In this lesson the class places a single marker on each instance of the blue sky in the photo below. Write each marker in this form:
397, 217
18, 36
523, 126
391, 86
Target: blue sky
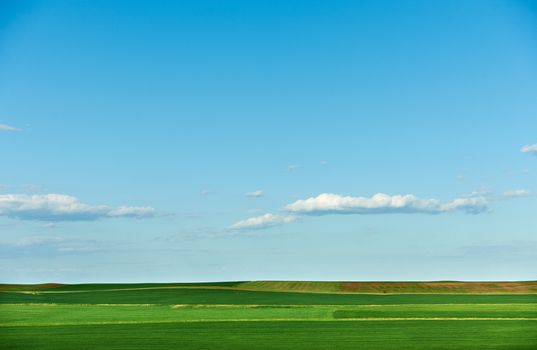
244, 140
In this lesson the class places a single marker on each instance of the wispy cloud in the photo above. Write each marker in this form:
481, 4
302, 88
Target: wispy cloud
27, 188
516, 193
531, 149
59, 207
43, 245
380, 203
193, 234
255, 194
262, 222
5, 127
500, 250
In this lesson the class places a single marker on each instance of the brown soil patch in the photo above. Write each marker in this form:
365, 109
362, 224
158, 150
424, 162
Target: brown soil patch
28, 287
440, 287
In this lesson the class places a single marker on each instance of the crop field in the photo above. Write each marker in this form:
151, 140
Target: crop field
269, 315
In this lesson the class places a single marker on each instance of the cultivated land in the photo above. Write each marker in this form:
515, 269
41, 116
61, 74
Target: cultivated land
270, 315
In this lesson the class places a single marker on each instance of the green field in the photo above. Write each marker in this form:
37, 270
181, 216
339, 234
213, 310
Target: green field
241, 315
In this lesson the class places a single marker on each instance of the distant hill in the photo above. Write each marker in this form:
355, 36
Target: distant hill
440, 287
396, 287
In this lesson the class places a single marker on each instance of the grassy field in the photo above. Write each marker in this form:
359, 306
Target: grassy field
264, 315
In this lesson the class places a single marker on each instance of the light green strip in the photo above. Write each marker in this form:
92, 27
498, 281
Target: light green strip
269, 320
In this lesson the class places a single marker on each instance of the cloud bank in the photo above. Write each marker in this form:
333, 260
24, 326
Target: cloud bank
380, 203
530, 149
59, 207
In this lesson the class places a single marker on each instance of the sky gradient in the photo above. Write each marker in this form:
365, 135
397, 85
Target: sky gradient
148, 141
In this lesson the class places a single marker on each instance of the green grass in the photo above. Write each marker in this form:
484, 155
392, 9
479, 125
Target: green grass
440, 311
108, 286
379, 335
43, 315
169, 296
225, 316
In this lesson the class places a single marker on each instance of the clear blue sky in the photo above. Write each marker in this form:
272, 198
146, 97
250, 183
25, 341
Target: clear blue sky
241, 140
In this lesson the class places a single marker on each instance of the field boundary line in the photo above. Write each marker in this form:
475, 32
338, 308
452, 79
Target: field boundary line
37, 292
276, 306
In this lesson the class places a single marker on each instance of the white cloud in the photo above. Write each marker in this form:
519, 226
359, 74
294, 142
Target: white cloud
262, 222
255, 194
381, 203
531, 149
5, 127
516, 193
58, 207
